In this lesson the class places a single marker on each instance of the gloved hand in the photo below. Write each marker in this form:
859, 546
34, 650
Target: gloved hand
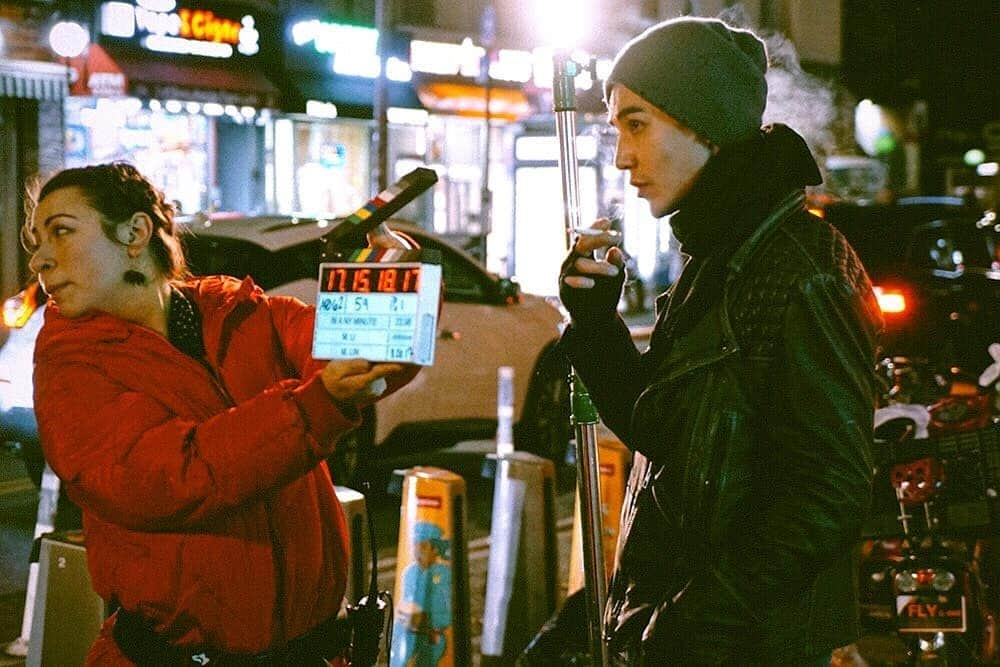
590, 288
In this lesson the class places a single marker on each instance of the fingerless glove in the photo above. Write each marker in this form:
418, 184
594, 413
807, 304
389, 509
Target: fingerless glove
593, 305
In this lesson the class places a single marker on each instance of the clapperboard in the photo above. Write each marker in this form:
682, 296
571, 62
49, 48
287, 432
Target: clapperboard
379, 305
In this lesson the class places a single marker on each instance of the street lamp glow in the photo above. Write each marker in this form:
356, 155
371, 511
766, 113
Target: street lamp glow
68, 39
988, 169
870, 127
974, 156
565, 22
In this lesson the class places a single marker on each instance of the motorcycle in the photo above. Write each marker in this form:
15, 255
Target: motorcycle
930, 567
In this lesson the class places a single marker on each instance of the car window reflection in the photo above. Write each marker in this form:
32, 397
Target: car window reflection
949, 245
464, 281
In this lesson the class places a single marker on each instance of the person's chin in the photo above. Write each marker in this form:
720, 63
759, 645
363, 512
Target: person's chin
68, 310
659, 209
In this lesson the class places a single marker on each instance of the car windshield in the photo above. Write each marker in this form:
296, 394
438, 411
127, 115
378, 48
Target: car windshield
889, 239
952, 245
207, 255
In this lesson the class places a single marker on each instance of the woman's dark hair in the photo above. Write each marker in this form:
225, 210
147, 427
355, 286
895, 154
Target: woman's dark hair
116, 190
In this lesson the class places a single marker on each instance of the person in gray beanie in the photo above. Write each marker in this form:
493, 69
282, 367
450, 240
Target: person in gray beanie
750, 413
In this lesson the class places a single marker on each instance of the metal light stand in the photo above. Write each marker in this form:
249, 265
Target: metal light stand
380, 104
584, 416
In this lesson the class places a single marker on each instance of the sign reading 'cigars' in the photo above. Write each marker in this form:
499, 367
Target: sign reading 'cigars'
160, 25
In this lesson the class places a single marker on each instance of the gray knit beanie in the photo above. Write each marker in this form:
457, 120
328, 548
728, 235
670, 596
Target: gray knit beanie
701, 72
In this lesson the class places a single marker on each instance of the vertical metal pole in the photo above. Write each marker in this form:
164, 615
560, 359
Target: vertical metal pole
487, 35
383, 11
564, 105
584, 415
485, 194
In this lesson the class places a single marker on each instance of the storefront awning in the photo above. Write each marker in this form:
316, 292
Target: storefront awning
96, 74
32, 79
354, 96
464, 98
155, 77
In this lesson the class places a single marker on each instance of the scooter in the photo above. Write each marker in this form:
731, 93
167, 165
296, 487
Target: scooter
929, 571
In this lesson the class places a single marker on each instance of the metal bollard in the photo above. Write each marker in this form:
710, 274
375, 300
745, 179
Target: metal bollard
522, 573
359, 567
505, 409
615, 463
431, 619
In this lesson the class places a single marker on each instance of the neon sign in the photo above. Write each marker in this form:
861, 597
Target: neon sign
203, 24
163, 27
354, 49
357, 45
334, 37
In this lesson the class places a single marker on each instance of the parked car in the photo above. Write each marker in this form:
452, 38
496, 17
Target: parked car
935, 262
22, 319
855, 178
485, 323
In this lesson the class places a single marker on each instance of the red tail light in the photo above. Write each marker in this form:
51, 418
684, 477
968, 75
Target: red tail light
891, 301
17, 310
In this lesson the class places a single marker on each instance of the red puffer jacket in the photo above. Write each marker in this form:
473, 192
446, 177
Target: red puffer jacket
205, 504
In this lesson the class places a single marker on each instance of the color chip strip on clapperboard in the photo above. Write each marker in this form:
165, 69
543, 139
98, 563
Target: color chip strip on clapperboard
376, 202
384, 255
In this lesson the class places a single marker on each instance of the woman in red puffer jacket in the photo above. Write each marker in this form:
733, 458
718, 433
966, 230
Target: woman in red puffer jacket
189, 421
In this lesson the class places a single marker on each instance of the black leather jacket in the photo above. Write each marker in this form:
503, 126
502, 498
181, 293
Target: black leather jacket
753, 455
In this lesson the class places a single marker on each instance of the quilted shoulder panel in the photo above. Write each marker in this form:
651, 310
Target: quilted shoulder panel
801, 247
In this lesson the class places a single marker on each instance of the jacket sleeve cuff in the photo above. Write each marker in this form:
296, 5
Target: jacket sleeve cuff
325, 419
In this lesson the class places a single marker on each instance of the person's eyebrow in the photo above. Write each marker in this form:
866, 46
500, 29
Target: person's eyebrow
48, 220
627, 111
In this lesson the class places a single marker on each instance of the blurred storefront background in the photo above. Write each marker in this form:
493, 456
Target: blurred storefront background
267, 106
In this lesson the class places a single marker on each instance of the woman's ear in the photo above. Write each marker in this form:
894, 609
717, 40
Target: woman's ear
135, 232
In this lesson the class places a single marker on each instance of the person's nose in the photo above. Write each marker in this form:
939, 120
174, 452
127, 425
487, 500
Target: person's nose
624, 155
41, 260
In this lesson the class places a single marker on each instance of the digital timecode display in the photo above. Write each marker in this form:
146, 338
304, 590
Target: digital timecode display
379, 311
366, 279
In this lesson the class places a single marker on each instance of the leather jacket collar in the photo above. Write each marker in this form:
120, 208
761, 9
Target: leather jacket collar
738, 187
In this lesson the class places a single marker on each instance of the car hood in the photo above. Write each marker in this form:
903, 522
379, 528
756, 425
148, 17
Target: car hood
304, 290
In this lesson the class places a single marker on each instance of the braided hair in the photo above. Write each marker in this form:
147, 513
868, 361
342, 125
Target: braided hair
117, 190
